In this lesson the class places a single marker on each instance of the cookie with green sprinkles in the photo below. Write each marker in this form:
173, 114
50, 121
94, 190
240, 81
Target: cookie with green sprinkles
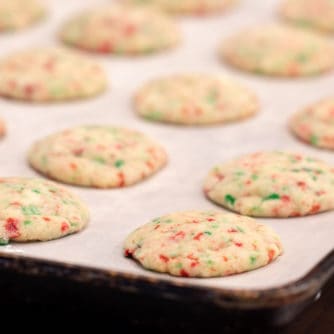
18, 14
195, 99
34, 209
50, 74
97, 156
203, 244
315, 124
278, 50
272, 184
120, 29
318, 14
193, 7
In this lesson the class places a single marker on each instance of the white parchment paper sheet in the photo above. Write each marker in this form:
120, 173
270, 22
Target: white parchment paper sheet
192, 151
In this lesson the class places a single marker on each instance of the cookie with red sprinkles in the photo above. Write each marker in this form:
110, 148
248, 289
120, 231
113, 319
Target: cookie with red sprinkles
193, 7
279, 50
195, 99
272, 184
18, 14
97, 156
315, 124
50, 74
33, 209
121, 30
203, 244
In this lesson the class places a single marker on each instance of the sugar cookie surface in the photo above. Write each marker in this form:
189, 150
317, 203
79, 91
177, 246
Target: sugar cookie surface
199, 7
279, 50
272, 184
121, 30
97, 156
203, 244
317, 14
195, 99
17, 14
315, 124
38, 210
51, 74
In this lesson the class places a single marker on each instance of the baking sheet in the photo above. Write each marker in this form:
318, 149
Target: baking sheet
192, 150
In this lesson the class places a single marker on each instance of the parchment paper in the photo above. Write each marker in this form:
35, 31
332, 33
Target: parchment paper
192, 151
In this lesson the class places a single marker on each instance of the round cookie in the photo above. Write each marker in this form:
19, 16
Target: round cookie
203, 244
317, 14
121, 30
97, 156
2, 128
195, 99
279, 50
197, 7
315, 125
272, 184
33, 209
17, 14
51, 74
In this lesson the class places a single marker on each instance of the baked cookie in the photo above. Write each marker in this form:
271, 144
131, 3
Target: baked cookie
121, 30
38, 210
279, 50
97, 156
197, 7
195, 99
203, 244
315, 125
272, 184
317, 14
46, 75
17, 14
2, 128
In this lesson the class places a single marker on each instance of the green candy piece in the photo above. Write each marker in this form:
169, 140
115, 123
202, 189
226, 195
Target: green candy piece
99, 160
273, 196
119, 163
230, 199
27, 222
240, 229
4, 242
314, 140
30, 210
252, 259
207, 232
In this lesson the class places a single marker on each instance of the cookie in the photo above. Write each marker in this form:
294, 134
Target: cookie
97, 156
278, 50
121, 30
2, 128
46, 75
195, 99
17, 14
203, 244
197, 7
272, 184
318, 14
315, 125
38, 210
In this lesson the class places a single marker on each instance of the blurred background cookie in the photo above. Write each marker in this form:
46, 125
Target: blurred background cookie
121, 30
317, 14
50, 74
198, 7
278, 50
17, 14
195, 99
